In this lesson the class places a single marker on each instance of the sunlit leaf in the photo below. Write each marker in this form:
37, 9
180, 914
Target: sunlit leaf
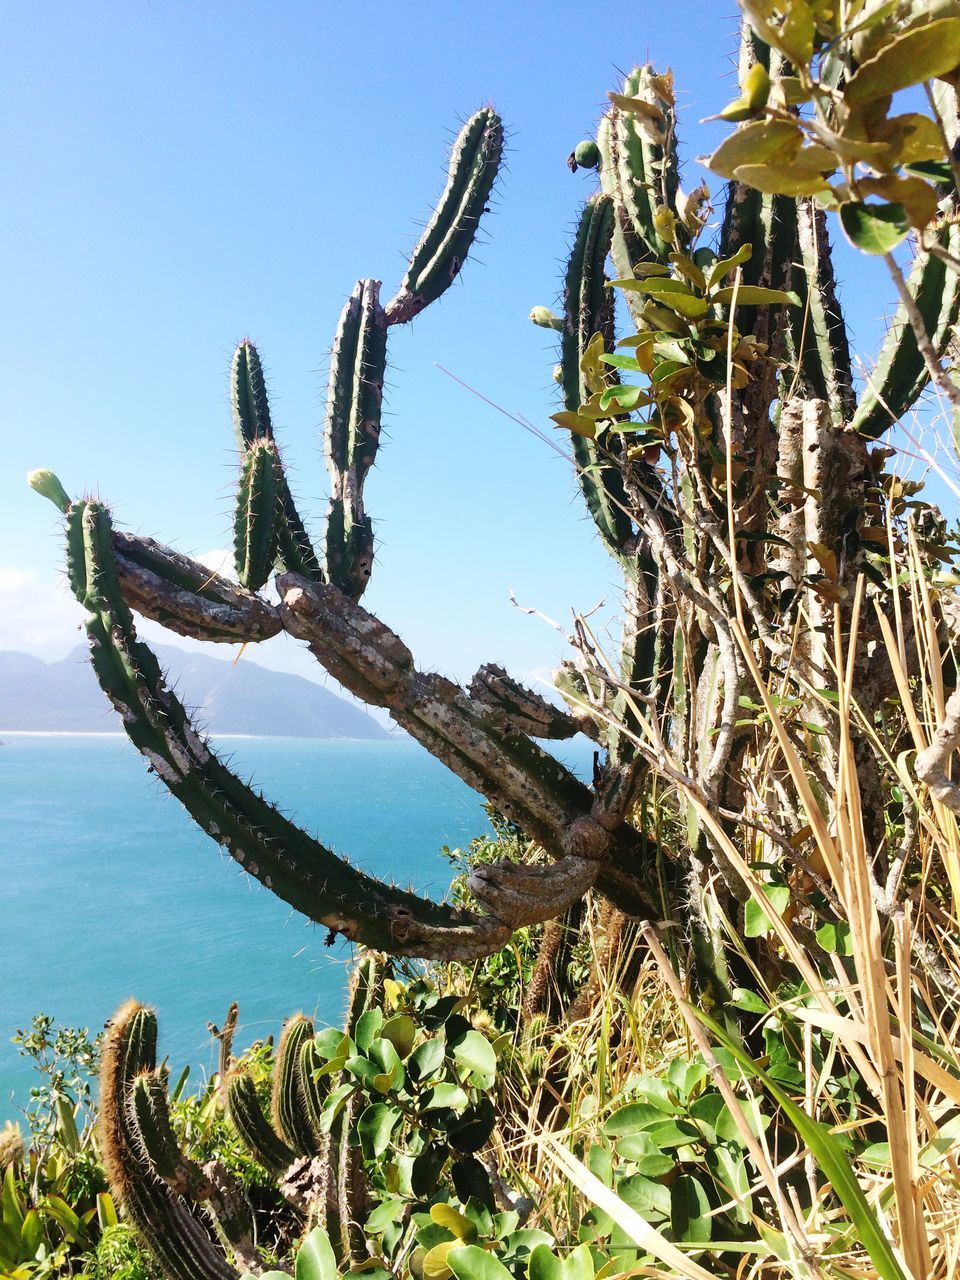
917, 55
874, 228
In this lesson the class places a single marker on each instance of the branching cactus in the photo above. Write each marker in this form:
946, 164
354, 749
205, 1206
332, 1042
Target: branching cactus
196, 1219
728, 468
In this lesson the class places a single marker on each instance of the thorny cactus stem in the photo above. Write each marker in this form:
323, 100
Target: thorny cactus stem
161, 1189
733, 482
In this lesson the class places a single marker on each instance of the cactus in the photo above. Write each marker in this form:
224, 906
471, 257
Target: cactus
161, 1188
726, 467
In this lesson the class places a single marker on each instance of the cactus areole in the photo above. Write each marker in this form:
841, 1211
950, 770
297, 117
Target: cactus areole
708, 483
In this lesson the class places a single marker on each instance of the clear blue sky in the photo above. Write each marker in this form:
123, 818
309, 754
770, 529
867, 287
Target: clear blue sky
180, 175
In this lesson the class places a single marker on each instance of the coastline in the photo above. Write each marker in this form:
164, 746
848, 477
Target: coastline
253, 737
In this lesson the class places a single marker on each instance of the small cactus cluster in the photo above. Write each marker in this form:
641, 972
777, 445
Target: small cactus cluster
728, 466
194, 1218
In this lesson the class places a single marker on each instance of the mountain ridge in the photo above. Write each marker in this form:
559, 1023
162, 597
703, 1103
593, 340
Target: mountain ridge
226, 698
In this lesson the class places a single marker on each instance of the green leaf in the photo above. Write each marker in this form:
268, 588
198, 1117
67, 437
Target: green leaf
729, 1167
874, 228
446, 1216
445, 1097
630, 363
401, 1031
673, 1133
834, 935
427, 1059
474, 1053
645, 1195
689, 1211
627, 398
368, 1028
917, 55
632, 1118
744, 998
386, 1213
832, 1158
474, 1127
375, 1128
315, 1260
469, 1262
725, 265
754, 295
331, 1043
756, 920
645, 1154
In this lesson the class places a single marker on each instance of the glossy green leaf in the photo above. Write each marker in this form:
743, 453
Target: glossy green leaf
368, 1028
689, 1211
375, 1128
835, 936
874, 228
426, 1059
632, 1118
756, 919
724, 266
315, 1258
401, 1031
752, 295
444, 1097
832, 1158
469, 1262
474, 1053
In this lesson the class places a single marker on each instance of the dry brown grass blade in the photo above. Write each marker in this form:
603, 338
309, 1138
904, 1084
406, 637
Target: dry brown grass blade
637, 1227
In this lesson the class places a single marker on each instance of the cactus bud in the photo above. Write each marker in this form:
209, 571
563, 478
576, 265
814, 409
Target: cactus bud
47, 484
545, 318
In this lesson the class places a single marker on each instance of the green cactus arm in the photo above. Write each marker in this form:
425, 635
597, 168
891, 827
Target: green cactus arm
148, 1115
900, 374
257, 520
186, 597
297, 868
448, 237
638, 170
250, 408
249, 404
183, 1248
352, 434
588, 310
288, 1108
256, 1131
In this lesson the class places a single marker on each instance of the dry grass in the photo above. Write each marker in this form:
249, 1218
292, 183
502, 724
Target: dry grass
897, 1215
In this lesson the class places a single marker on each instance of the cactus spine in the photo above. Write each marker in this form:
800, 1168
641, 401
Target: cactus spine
352, 434
183, 1248
257, 522
440, 253
156, 1181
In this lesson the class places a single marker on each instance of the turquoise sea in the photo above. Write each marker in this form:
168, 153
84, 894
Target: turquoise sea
107, 890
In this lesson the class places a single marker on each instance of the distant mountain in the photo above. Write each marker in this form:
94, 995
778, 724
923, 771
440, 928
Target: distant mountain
65, 697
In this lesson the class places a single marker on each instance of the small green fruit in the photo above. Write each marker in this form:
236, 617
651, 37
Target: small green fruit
587, 154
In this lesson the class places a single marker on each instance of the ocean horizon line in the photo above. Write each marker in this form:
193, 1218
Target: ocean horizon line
391, 735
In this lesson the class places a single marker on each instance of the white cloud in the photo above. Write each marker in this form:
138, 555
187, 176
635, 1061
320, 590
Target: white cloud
37, 615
